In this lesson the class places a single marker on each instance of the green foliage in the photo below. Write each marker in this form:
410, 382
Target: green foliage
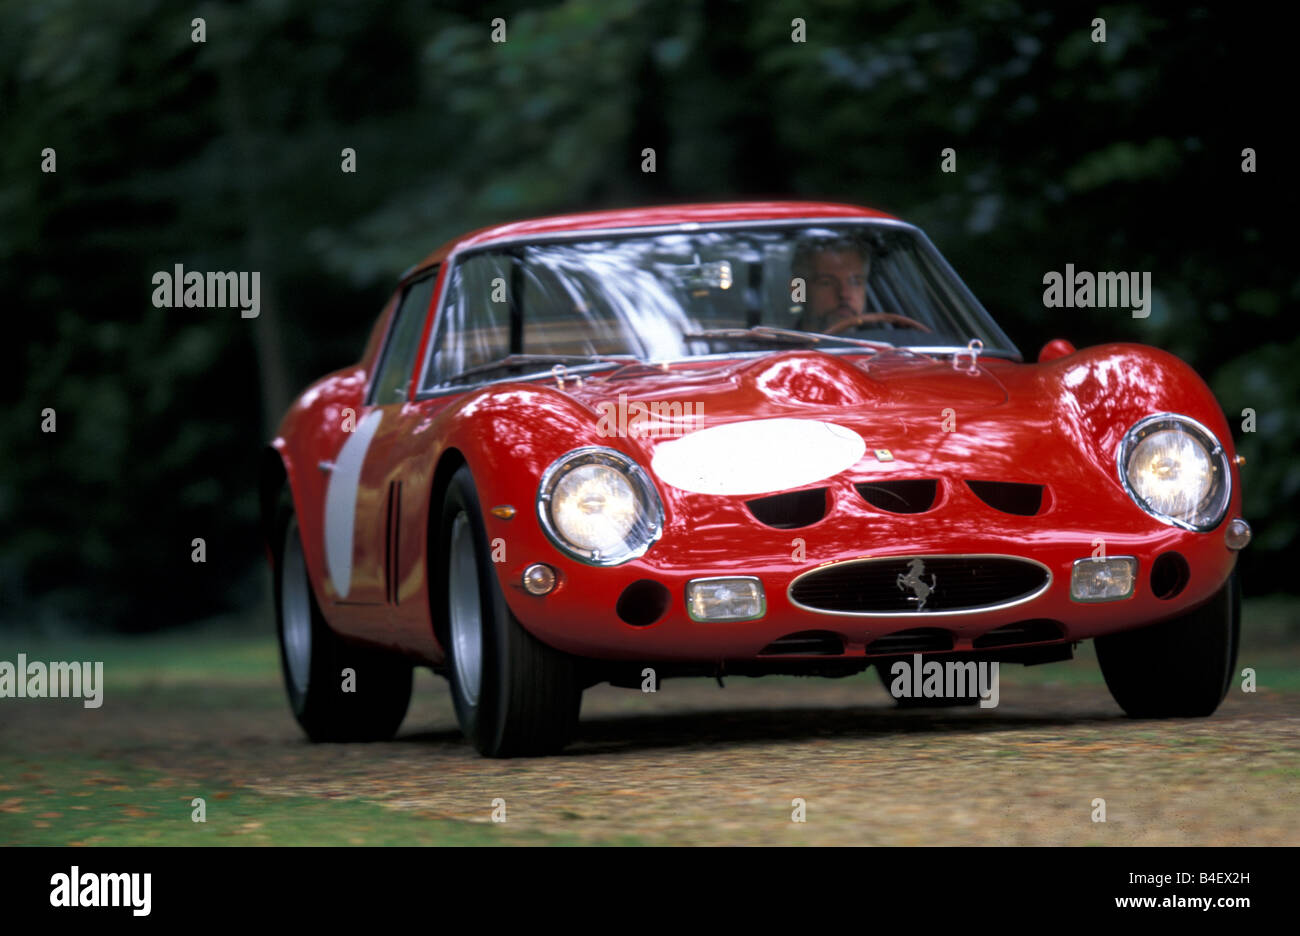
226, 156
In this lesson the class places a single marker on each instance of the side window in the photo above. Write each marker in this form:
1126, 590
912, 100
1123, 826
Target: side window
403, 341
474, 325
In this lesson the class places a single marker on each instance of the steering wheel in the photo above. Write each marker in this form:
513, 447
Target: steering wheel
874, 318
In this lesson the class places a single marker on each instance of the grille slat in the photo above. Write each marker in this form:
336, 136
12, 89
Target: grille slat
897, 585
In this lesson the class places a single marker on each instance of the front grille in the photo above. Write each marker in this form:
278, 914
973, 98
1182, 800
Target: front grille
919, 584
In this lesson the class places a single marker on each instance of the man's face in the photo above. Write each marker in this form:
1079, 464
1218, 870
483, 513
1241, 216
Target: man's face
837, 287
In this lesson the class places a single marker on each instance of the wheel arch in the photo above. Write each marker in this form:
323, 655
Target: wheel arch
449, 462
272, 477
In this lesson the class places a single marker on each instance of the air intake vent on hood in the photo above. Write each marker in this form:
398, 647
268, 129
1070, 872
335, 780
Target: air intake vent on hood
899, 496
790, 510
1024, 500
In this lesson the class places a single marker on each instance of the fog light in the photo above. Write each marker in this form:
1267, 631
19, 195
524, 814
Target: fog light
725, 599
539, 579
1238, 534
1103, 579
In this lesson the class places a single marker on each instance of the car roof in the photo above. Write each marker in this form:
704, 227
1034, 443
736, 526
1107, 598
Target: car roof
662, 215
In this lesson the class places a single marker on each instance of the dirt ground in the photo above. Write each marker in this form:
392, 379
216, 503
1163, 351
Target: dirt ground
698, 764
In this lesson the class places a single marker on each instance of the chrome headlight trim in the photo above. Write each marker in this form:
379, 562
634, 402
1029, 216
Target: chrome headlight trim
648, 527
1214, 452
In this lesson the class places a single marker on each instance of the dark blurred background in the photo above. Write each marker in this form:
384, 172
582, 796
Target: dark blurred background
225, 155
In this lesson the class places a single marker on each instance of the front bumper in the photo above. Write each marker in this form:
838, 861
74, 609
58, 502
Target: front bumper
586, 614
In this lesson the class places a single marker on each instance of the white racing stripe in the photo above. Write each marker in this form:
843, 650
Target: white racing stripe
341, 502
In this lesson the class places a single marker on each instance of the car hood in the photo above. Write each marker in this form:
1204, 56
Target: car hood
801, 383
787, 419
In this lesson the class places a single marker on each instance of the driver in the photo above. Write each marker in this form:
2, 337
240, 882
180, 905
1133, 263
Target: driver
835, 273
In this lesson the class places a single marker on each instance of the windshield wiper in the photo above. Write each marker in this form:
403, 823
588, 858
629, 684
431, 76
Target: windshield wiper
517, 361
787, 335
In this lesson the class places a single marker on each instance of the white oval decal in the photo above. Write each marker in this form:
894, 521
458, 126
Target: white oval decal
759, 456
341, 501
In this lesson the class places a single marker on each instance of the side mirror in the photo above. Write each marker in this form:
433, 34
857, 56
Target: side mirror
1056, 348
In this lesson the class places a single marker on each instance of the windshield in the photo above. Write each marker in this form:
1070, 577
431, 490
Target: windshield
658, 297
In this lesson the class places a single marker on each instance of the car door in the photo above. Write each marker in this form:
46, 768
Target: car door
364, 503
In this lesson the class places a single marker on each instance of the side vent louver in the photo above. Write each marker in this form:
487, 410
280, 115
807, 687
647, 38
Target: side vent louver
392, 536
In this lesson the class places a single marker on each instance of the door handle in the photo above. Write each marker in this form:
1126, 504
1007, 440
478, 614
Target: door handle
325, 466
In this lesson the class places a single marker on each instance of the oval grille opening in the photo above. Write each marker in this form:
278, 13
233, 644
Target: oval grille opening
790, 510
919, 584
899, 496
1023, 500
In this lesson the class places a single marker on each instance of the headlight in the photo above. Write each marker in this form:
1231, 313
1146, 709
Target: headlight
1176, 470
599, 506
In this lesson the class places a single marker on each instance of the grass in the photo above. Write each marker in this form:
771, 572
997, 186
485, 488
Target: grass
208, 655
103, 797
89, 801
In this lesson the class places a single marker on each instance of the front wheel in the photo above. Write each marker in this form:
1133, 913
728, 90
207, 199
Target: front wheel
514, 695
1180, 668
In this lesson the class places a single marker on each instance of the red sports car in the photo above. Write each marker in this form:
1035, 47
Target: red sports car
733, 439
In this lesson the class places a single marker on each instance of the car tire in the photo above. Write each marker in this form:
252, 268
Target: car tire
514, 696
1180, 668
882, 670
366, 705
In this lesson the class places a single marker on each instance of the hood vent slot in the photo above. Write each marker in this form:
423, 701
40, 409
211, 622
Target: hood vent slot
1023, 500
904, 497
791, 510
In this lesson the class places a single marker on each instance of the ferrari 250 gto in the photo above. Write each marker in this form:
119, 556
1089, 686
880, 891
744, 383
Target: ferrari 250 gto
733, 439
